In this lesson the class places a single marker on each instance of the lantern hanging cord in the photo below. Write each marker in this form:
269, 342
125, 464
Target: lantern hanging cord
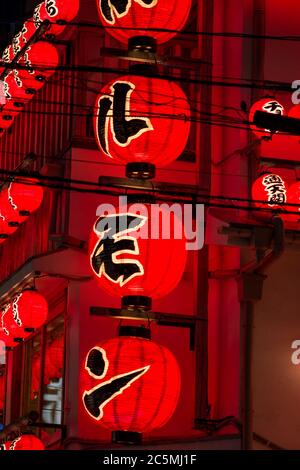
184, 32
68, 184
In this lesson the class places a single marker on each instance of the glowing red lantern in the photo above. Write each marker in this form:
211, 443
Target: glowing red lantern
142, 120
267, 105
126, 19
19, 199
30, 309
269, 191
27, 442
129, 263
15, 93
56, 11
40, 59
130, 384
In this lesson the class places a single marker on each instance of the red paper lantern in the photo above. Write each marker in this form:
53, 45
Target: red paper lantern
56, 11
16, 95
140, 119
19, 200
130, 384
30, 309
27, 442
127, 262
40, 59
145, 17
267, 105
271, 190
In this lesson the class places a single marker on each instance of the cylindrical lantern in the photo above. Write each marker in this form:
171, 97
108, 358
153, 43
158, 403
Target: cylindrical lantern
267, 105
127, 19
56, 11
130, 385
40, 59
269, 191
30, 309
27, 442
138, 253
142, 121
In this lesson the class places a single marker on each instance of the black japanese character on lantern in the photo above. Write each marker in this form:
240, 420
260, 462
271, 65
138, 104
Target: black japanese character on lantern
273, 107
275, 187
118, 8
97, 365
51, 7
114, 115
113, 243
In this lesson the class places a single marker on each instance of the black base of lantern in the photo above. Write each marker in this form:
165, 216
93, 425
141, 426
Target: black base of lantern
3, 235
140, 170
133, 302
136, 331
24, 213
19, 340
13, 224
126, 437
142, 43
29, 330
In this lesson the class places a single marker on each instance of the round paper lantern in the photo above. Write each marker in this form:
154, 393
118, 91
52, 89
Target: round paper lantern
56, 11
27, 442
142, 120
140, 252
267, 105
130, 385
30, 309
19, 199
40, 59
271, 190
145, 17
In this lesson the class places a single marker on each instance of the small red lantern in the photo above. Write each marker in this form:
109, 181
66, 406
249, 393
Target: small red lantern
127, 19
56, 11
15, 93
30, 309
19, 199
130, 384
40, 59
272, 189
129, 263
267, 105
142, 120
27, 442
